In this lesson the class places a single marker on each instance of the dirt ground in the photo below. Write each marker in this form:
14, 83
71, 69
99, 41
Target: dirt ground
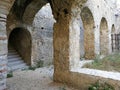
40, 79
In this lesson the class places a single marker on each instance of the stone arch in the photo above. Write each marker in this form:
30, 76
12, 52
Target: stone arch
20, 40
113, 29
43, 36
104, 37
28, 16
88, 24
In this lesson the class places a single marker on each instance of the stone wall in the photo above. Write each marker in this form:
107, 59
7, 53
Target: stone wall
42, 35
88, 24
104, 11
5, 6
66, 41
41, 32
104, 39
82, 81
3, 52
66, 35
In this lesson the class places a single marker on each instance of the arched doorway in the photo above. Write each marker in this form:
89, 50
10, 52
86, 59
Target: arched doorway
88, 24
104, 39
19, 44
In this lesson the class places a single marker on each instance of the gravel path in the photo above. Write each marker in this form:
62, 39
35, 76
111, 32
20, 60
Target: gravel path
40, 79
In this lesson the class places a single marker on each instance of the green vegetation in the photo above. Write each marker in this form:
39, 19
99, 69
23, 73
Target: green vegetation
38, 65
100, 86
109, 63
62, 88
10, 74
32, 68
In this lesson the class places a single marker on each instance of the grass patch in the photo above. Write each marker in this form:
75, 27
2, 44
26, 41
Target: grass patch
109, 63
99, 85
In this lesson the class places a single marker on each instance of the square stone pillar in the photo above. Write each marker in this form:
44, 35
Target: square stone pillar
3, 52
66, 47
61, 48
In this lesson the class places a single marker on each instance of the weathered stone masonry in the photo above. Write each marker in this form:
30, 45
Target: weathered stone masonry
66, 36
4, 10
41, 31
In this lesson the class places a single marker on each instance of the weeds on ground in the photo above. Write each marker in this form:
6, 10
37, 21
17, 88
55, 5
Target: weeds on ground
38, 65
109, 63
99, 85
32, 68
62, 88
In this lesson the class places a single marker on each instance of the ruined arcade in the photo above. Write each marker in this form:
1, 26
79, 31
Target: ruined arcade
62, 33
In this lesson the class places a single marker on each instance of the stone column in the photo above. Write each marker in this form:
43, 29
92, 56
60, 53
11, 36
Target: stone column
74, 39
61, 48
3, 52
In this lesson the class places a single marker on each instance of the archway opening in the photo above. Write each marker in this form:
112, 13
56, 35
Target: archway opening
114, 39
104, 39
113, 29
43, 36
88, 26
19, 43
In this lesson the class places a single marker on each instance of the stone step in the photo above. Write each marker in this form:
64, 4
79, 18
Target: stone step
13, 56
15, 59
17, 67
15, 62
13, 53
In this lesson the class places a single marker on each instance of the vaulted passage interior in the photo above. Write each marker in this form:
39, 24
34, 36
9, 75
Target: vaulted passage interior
88, 24
20, 40
104, 39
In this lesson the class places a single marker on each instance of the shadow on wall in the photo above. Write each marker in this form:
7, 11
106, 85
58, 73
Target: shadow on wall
20, 39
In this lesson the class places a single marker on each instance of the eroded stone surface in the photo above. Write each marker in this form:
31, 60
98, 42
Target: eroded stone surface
42, 35
66, 33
